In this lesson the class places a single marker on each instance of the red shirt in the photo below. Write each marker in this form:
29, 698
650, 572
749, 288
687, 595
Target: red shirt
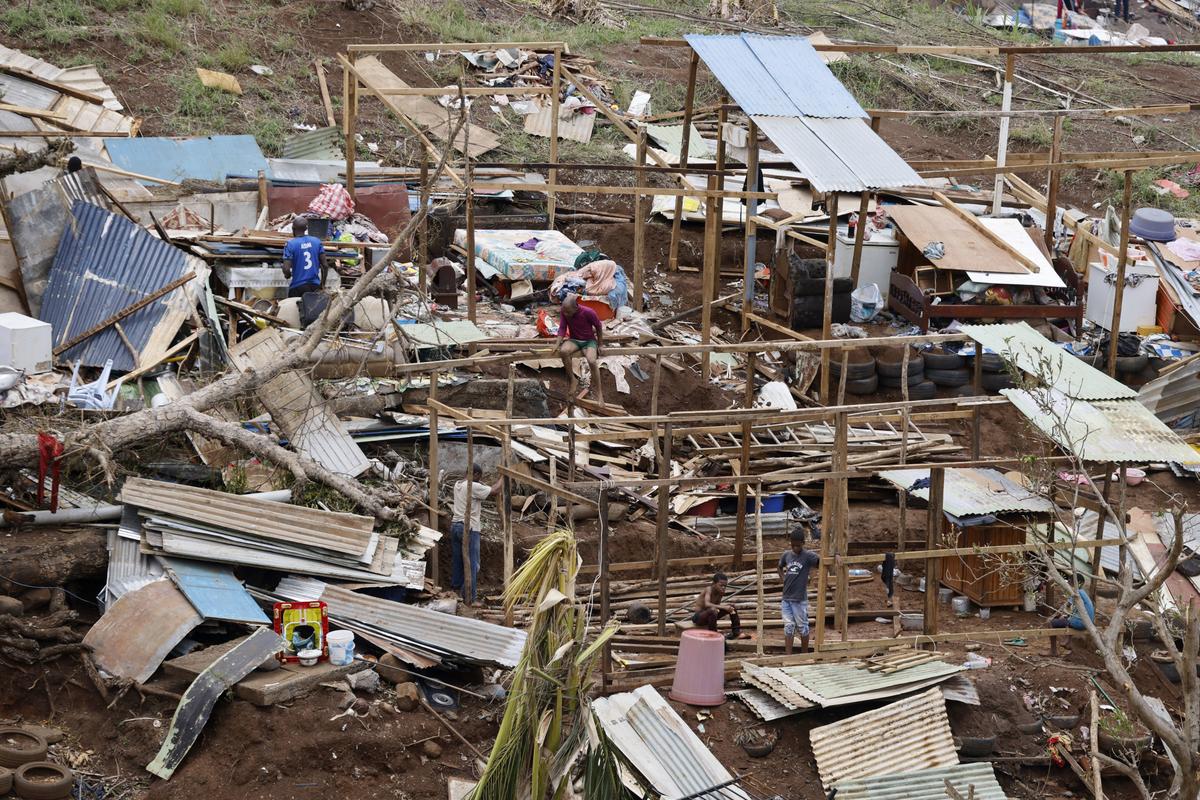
584, 324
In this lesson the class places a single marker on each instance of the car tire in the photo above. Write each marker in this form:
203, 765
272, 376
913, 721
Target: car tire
889, 382
939, 359
18, 746
925, 390
949, 377
43, 780
6, 781
963, 391
995, 381
1094, 360
1131, 365
855, 370
893, 369
863, 385
992, 363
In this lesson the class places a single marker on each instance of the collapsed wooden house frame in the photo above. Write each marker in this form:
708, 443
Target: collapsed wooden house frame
661, 429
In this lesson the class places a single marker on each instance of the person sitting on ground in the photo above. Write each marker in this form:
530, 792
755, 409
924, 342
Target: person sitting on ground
709, 608
794, 568
479, 492
580, 330
1074, 620
304, 260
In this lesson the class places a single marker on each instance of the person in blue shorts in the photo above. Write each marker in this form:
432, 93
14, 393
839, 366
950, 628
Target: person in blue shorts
795, 565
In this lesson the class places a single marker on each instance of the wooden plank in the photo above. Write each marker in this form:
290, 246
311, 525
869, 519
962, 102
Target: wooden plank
326, 101
986, 232
966, 248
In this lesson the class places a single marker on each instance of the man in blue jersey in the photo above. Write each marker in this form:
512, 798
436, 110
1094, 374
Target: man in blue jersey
1074, 621
303, 260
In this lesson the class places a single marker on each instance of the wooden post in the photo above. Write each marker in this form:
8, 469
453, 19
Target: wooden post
468, 586
739, 536
606, 653
506, 492
750, 252
719, 202
349, 113
1052, 184
469, 194
976, 417
664, 509
712, 268
758, 560
1108, 468
860, 233
639, 226
1002, 145
1094, 745
831, 204
654, 386
1114, 330
937, 482
423, 233
555, 91
434, 479
840, 537
262, 191
688, 109
571, 455
552, 515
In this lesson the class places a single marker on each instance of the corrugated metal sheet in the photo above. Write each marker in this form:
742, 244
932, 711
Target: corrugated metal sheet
973, 491
84, 78
764, 706
803, 76
1120, 431
1033, 353
215, 592
775, 75
839, 684
105, 263
344, 535
1176, 395
128, 567
838, 154
441, 635
661, 747
39, 218
135, 635
20, 92
906, 736
926, 784
319, 144
202, 158
298, 408
314, 170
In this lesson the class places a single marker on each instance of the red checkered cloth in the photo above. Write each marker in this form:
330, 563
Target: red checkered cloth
332, 201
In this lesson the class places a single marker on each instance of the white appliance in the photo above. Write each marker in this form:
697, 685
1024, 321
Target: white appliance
1141, 295
878, 258
25, 343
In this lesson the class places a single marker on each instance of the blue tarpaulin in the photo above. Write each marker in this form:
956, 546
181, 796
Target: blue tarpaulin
201, 158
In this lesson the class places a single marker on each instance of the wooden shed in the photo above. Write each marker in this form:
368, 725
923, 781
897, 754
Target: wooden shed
983, 508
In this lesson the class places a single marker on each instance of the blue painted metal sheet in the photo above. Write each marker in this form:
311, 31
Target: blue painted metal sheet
812, 157
104, 264
793, 64
214, 591
203, 158
842, 155
779, 76
743, 75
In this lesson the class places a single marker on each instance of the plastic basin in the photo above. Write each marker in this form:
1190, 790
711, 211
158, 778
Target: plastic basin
1153, 224
700, 670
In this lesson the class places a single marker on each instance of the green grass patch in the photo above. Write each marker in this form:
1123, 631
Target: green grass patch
205, 108
1035, 134
1145, 192
155, 28
49, 22
270, 132
179, 8
285, 43
234, 56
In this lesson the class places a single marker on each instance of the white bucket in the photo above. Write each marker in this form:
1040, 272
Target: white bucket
341, 647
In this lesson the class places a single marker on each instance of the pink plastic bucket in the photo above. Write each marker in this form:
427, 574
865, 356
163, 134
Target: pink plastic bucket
700, 671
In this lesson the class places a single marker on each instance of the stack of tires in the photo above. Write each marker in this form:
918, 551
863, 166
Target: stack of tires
949, 371
861, 377
23, 768
889, 363
995, 376
808, 300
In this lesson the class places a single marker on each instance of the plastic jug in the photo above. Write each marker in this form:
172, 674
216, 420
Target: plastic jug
341, 647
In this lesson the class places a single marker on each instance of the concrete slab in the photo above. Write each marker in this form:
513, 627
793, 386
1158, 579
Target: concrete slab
261, 688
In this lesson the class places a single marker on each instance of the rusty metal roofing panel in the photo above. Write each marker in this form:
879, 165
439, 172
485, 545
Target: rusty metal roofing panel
104, 264
776, 75
445, 635
838, 154
839, 684
973, 491
1176, 395
39, 218
1035, 354
660, 746
142, 627
1121, 431
346, 535
926, 784
908, 735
